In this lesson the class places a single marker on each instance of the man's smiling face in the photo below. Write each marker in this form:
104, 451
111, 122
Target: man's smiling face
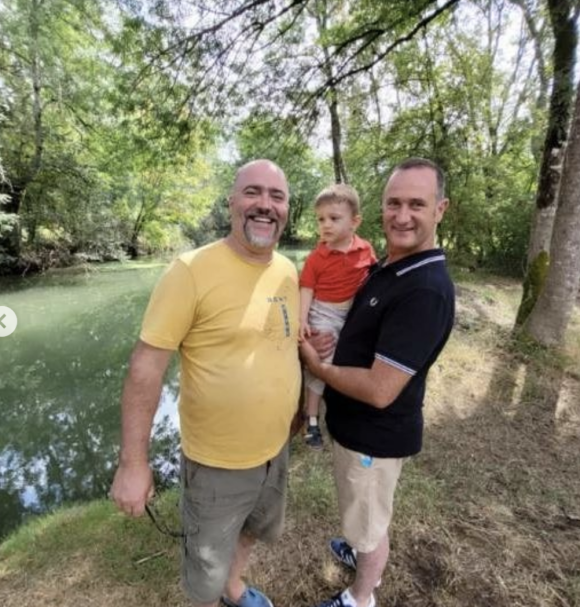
411, 211
258, 207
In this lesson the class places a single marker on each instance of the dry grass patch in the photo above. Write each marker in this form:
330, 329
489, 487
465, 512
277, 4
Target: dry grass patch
504, 437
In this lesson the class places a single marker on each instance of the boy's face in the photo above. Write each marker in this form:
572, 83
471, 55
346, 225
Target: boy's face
336, 224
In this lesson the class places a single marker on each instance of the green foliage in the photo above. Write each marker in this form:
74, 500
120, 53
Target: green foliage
117, 151
105, 166
214, 225
451, 105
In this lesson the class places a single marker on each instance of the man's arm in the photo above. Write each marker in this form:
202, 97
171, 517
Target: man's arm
378, 386
133, 482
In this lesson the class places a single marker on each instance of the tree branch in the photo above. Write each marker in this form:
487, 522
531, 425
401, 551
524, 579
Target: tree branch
376, 32
339, 77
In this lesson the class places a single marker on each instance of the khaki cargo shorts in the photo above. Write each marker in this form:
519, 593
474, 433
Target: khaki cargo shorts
366, 488
216, 506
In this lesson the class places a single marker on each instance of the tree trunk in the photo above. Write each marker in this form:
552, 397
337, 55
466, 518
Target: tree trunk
565, 31
541, 232
340, 175
550, 317
563, 21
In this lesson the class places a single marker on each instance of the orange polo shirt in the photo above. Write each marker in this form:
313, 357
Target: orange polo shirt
335, 276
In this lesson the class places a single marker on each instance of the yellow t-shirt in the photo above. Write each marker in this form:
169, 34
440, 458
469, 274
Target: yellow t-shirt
236, 326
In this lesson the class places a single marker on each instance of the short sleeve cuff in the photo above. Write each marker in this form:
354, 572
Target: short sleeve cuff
396, 364
158, 342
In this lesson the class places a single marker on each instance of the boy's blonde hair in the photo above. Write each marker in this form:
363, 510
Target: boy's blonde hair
339, 192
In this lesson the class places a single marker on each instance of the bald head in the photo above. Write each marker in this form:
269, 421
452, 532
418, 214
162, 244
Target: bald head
261, 166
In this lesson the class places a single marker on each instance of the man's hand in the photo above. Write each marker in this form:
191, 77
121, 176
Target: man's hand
132, 487
133, 483
323, 342
310, 357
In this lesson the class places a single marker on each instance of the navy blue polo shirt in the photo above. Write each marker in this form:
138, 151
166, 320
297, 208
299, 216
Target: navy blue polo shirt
402, 315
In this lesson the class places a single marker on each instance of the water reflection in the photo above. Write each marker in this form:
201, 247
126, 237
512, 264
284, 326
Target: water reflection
61, 374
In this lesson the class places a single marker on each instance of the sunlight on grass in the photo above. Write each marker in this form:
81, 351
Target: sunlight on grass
311, 487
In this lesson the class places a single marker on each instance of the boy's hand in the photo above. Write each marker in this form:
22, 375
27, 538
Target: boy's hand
304, 332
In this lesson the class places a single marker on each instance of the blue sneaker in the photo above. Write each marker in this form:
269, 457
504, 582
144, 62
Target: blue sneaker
250, 598
313, 437
343, 552
344, 599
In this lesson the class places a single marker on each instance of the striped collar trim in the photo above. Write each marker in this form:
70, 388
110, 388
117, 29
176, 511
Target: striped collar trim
419, 264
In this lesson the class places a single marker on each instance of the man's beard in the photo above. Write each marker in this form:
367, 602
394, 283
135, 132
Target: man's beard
261, 242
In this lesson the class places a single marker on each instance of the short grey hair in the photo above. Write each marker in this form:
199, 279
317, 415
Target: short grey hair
424, 163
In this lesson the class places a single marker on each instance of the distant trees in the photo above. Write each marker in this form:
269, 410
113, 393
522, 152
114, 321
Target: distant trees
93, 165
122, 122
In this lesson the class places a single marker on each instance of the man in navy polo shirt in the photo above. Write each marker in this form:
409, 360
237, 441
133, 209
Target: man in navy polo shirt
399, 322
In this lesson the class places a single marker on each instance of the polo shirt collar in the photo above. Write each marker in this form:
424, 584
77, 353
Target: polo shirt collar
357, 244
415, 261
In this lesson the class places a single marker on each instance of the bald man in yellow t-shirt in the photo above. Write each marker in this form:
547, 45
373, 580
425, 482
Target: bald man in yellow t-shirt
231, 310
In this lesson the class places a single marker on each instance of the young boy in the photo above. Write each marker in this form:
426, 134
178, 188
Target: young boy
331, 276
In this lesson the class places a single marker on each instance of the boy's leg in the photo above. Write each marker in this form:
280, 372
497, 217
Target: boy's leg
313, 435
312, 404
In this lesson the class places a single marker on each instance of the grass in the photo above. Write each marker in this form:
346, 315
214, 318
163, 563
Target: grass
487, 515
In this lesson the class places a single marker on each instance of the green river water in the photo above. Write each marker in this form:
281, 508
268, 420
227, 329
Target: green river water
61, 374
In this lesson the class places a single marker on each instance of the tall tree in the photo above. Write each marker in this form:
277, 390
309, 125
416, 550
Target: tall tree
563, 19
232, 47
323, 12
450, 97
549, 319
94, 163
153, 153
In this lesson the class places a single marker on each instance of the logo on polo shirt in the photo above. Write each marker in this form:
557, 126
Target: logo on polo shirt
374, 301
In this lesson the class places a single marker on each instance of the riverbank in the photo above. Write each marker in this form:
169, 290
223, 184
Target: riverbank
488, 514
